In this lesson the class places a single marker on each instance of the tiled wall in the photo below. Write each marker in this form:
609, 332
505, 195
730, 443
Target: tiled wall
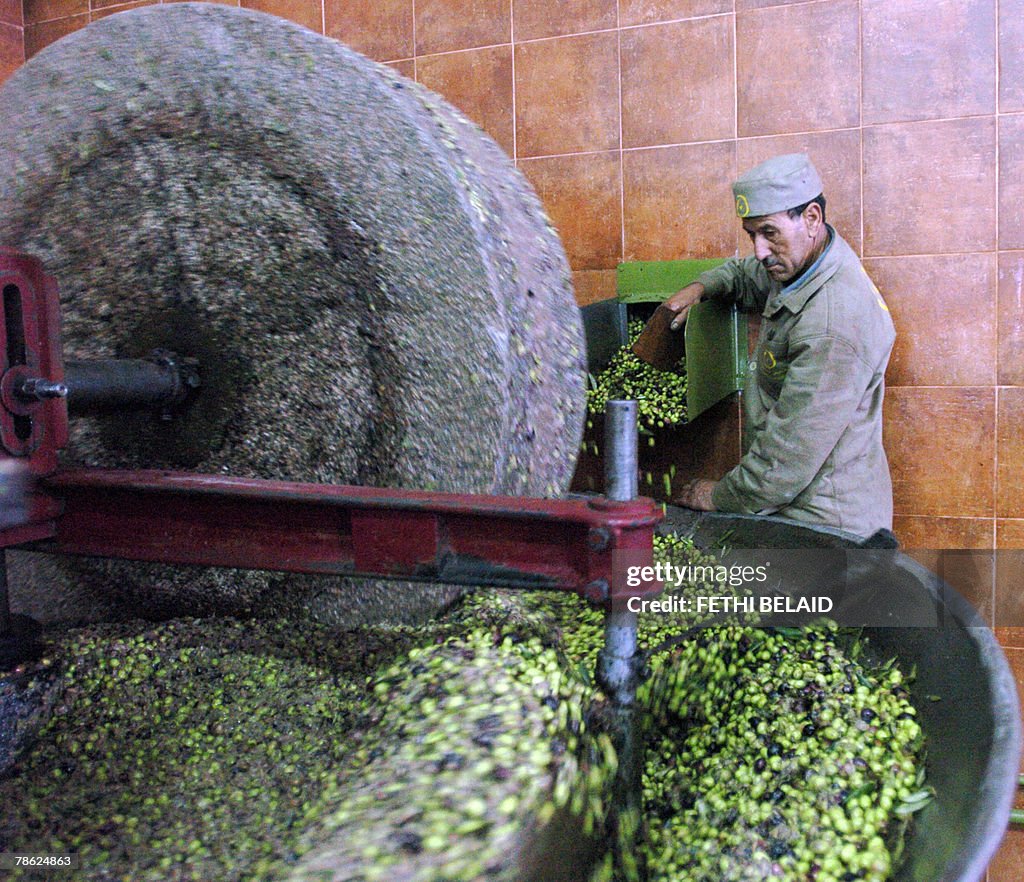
631, 117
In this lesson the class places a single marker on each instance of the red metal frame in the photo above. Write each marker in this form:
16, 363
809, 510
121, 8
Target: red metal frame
33, 433
177, 518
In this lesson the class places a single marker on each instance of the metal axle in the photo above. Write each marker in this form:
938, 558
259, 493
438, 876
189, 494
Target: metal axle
161, 381
618, 671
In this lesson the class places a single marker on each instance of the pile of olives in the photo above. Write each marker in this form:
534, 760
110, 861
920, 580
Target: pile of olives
222, 750
660, 395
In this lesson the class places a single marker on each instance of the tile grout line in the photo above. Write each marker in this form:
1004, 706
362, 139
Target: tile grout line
965, 388
622, 155
860, 128
995, 468
995, 507
995, 421
567, 155
901, 256
515, 115
735, 80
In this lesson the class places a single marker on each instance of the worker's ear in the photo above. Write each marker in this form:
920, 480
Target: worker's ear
812, 218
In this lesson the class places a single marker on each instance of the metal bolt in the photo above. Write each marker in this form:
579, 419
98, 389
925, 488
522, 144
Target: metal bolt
596, 591
39, 389
599, 538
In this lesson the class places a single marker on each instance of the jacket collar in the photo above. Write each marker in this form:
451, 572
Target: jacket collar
795, 298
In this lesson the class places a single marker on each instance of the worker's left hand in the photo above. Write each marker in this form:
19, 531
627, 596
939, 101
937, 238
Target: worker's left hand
697, 495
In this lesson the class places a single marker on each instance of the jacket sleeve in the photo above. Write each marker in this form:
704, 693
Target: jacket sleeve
738, 280
820, 394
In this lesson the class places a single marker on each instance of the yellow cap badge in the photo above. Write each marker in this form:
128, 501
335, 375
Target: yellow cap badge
742, 206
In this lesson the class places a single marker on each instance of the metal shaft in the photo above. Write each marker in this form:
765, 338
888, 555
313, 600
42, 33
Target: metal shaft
620, 445
119, 383
617, 672
621, 464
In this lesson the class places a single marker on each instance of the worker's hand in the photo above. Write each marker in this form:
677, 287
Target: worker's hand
697, 495
682, 300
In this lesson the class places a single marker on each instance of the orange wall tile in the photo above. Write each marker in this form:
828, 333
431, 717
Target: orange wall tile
381, 29
1009, 599
933, 349
1010, 636
1011, 55
1010, 533
1010, 452
667, 189
1011, 319
940, 444
447, 25
819, 63
535, 19
567, 98
36, 11
582, 196
479, 83
12, 12
1011, 181
935, 533
917, 176
308, 13
594, 285
12, 49
951, 73
39, 36
664, 105
958, 550
1008, 864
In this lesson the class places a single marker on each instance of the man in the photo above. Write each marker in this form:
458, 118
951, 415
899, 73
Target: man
813, 395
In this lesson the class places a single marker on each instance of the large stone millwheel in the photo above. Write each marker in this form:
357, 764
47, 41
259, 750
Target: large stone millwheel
373, 291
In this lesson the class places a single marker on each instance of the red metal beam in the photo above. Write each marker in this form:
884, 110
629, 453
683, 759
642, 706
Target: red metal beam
573, 545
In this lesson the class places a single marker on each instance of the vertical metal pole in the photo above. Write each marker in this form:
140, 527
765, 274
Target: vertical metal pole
620, 470
621, 458
617, 672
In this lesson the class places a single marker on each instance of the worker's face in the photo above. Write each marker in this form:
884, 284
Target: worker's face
784, 244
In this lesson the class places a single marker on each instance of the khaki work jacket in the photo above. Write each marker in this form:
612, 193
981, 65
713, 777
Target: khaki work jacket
812, 401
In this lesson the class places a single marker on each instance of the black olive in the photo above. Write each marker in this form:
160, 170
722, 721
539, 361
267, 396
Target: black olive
451, 760
408, 841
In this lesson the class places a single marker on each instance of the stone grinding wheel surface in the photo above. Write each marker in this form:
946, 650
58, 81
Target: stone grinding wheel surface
372, 289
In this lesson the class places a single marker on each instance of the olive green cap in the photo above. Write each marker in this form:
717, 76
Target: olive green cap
777, 184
